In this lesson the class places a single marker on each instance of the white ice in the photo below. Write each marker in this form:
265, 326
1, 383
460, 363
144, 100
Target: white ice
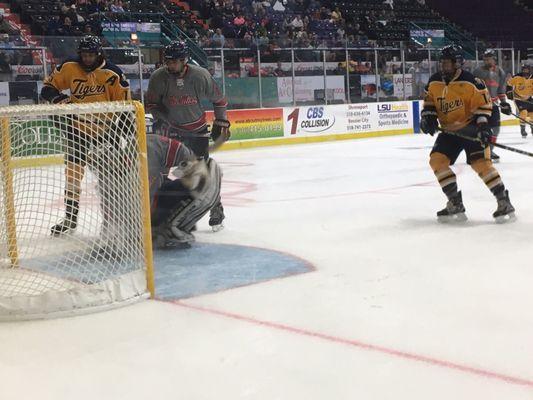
399, 306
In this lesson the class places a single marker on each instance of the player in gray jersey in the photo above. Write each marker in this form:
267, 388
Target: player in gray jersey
495, 79
175, 95
174, 214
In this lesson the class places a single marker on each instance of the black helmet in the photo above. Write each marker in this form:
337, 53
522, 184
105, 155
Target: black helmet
176, 50
490, 53
452, 52
525, 65
90, 44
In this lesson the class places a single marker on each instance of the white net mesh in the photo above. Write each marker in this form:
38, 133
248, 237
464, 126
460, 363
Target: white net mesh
72, 236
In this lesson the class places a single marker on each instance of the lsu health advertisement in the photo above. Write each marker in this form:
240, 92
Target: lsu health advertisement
347, 118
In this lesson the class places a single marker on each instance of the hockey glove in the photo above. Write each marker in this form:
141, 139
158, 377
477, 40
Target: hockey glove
505, 108
61, 99
429, 124
220, 130
510, 95
485, 134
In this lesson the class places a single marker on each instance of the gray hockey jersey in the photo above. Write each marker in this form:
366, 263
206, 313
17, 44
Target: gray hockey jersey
178, 100
495, 80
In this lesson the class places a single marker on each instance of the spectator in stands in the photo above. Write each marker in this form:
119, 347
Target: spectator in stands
53, 26
67, 29
117, 7
5, 27
96, 6
74, 16
336, 15
297, 23
218, 38
239, 20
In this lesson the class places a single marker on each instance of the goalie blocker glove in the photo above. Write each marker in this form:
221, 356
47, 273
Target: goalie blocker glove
220, 129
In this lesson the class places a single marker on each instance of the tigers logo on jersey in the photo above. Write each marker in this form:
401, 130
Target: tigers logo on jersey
449, 106
83, 89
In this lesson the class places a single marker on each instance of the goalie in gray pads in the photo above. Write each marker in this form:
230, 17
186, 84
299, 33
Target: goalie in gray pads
176, 212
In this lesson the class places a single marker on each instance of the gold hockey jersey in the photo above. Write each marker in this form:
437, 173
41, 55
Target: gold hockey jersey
105, 83
458, 102
521, 86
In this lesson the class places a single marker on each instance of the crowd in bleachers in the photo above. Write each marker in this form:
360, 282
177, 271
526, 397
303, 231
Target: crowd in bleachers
307, 23
235, 23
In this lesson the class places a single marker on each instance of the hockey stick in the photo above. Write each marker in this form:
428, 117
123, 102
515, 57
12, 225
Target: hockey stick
217, 143
519, 117
501, 146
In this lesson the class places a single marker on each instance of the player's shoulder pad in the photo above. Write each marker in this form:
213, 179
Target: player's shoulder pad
436, 77
196, 70
467, 76
115, 69
68, 62
160, 73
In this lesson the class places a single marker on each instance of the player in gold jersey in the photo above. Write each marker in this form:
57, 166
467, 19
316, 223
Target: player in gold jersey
462, 106
90, 78
520, 89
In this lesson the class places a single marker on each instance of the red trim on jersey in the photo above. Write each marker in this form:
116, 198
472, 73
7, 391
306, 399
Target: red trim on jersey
172, 153
193, 125
221, 103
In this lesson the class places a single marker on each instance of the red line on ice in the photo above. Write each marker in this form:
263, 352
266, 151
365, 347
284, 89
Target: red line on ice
366, 346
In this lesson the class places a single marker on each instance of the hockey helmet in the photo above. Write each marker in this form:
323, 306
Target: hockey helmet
90, 44
526, 66
490, 53
176, 50
452, 52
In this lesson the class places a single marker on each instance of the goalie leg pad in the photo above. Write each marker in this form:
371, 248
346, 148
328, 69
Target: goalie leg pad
201, 200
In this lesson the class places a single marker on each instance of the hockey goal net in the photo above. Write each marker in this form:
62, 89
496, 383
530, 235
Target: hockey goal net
106, 260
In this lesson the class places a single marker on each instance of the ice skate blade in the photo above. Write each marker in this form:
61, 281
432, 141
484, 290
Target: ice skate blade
217, 228
452, 219
503, 219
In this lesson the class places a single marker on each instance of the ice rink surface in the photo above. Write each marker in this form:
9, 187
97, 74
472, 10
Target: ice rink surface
396, 306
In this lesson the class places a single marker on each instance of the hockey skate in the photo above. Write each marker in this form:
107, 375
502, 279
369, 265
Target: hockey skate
505, 211
216, 217
454, 211
171, 239
523, 131
66, 225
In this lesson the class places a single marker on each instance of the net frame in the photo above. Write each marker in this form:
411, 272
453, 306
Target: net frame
65, 295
